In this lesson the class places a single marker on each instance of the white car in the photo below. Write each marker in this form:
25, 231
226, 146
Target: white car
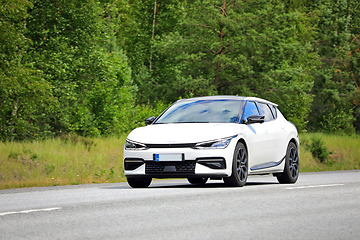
216, 137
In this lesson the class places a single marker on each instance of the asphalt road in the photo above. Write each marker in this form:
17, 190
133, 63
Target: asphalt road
319, 206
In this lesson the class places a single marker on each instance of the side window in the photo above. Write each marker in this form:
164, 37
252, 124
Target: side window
251, 109
273, 109
265, 110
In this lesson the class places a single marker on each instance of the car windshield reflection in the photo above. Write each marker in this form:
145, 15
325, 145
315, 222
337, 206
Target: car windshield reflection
203, 111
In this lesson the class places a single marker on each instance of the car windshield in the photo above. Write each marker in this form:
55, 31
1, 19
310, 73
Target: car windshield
203, 111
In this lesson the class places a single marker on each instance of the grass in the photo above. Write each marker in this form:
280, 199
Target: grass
62, 161
70, 160
344, 153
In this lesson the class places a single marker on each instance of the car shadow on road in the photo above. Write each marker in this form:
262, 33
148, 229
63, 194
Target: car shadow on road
188, 185
210, 185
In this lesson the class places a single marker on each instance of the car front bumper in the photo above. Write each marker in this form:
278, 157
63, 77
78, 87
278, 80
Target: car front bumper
194, 163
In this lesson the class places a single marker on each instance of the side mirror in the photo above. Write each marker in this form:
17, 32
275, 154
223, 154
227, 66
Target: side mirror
149, 120
255, 119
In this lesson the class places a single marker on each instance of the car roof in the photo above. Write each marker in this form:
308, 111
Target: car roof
229, 97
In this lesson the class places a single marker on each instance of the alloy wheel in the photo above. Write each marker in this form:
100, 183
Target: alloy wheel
241, 164
294, 162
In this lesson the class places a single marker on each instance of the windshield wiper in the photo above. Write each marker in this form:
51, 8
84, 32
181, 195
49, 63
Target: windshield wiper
178, 122
192, 122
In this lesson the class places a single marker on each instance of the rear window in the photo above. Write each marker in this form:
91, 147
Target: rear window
273, 110
265, 110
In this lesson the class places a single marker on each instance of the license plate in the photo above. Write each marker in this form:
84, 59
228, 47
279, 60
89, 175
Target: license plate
169, 157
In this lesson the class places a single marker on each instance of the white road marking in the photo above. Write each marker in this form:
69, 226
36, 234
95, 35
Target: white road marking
31, 210
316, 186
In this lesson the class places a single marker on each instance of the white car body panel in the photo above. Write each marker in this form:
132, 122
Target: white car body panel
266, 144
183, 132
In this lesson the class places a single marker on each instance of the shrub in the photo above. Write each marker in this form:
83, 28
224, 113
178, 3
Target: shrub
75, 139
318, 149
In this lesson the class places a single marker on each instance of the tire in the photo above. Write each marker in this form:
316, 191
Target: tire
197, 181
239, 167
291, 169
139, 182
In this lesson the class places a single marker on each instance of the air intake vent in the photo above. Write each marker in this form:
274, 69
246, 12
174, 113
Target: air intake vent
133, 163
163, 167
213, 162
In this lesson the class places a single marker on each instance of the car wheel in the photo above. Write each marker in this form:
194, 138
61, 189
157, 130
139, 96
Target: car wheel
197, 181
239, 167
291, 169
139, 182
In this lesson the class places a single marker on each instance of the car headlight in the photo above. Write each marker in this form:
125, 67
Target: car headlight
218, 143
131, 145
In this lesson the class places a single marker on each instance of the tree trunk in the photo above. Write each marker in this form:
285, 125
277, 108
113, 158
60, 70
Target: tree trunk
152, 37
220, 50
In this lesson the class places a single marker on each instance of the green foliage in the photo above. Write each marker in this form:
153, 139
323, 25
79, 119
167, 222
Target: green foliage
344, 149
336, 88
338, 121
286, 51
136, 116
25, 98
74, 48
75, 139
241, 48
72, 76
138, 33
49, 168
97, 68
26, 102
317, 148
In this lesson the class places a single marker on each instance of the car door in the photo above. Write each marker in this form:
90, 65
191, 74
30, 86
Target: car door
280, 136
258, 140
276, 132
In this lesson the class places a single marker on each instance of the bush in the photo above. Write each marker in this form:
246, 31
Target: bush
318, 149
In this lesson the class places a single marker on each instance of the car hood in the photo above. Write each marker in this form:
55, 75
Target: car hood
183, 132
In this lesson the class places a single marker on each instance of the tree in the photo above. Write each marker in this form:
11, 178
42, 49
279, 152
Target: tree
25, 98
75, 48
147, 20
336, 90
242, 47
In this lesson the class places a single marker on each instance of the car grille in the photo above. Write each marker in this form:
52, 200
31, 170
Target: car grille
164, 167
172, 145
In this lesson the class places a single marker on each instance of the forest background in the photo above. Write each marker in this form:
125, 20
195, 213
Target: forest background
99, 68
